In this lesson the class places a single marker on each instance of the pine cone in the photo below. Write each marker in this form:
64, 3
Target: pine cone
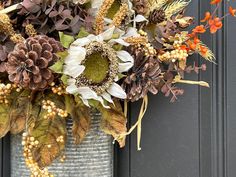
28, 63
144, 77
157, 16
140, 6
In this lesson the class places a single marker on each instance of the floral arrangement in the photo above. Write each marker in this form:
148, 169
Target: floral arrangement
62, 59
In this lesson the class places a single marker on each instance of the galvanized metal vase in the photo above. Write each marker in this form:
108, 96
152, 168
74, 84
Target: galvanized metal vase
92, 158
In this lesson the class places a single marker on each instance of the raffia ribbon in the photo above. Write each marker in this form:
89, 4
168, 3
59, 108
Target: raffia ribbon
179, 80
138, 124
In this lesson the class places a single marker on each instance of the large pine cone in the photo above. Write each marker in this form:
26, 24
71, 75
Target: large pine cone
28, 63
140, 6
157, 16
144, 77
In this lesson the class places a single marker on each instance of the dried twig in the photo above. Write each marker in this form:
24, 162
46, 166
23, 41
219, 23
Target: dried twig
9, 9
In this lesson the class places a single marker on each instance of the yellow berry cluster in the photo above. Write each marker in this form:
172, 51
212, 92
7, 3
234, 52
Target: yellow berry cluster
149, 50
63, 157
60, 139
177, 54
7, 28
58, 89
29, 143
100, 17
52, 110
30, 31
120, 15
5, 91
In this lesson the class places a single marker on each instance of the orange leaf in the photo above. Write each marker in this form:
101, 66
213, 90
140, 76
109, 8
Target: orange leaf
199, 29
215, 1
232, 11
207, 17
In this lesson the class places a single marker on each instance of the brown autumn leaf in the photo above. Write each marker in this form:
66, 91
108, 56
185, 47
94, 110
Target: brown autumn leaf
113, 121
5, 112
80, 115
20, 111
51, 134
4, 120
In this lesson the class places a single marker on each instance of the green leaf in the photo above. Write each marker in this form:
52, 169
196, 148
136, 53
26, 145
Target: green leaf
120, 76
64, 79
65, 39
114, 9
63, 54
58, 66
82, 33
117, 47
48, 132
80, 115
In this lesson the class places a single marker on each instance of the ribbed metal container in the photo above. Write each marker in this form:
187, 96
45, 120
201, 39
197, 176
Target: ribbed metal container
92, 158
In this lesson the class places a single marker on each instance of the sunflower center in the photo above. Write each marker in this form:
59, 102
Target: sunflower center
101, 67
96, 68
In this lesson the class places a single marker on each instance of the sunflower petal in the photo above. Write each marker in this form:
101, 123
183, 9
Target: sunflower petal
73, 70
125, 56
107, 97
116, 91
106, 35
100, 99
87, 93
131, 32
81, 42
76, 55
85, 101
72, 89
125, 66
119, 41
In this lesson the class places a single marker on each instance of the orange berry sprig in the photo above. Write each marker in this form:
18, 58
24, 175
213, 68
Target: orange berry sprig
212, 22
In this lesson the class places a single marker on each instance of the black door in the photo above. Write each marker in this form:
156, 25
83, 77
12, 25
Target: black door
195, 136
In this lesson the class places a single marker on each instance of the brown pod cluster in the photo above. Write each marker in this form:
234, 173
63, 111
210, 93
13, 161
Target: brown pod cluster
28, 64
141, 6
144, 77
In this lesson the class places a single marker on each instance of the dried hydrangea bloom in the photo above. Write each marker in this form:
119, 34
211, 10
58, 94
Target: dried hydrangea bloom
28, 64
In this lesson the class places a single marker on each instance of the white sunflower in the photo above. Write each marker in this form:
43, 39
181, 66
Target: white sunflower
93, 66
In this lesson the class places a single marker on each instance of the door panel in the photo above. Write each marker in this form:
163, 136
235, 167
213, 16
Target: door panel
195, 136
